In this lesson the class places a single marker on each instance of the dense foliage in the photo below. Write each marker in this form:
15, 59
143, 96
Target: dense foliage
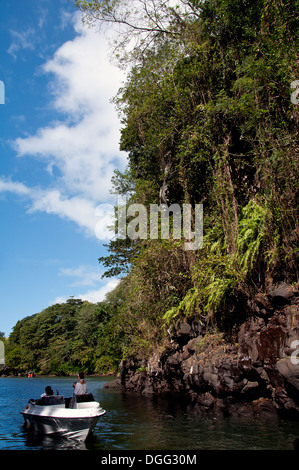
206, 114
63, 339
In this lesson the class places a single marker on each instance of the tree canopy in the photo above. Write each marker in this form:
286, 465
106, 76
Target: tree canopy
62, 339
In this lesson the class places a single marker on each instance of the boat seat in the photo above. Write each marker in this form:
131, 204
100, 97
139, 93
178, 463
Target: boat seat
51, 400
84, 398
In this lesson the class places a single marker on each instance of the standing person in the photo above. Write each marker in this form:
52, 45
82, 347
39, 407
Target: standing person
81, 385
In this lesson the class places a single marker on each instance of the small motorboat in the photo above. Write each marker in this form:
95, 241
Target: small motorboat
68, 417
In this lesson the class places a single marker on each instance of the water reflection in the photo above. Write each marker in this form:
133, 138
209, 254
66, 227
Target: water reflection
36, 441
138, 422
39, 442
135, 422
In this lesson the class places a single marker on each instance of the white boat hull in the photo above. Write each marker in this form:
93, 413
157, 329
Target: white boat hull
68, 422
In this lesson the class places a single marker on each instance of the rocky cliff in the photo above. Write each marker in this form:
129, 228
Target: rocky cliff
254, 373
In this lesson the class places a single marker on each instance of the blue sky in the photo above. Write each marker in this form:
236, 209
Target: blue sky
59, 145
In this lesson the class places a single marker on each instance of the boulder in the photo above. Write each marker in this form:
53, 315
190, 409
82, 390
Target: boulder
281, 294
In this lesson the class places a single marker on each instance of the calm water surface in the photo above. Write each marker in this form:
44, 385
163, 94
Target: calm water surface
134, 422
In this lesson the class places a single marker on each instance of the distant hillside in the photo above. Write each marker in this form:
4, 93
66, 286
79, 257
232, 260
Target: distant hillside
62, 339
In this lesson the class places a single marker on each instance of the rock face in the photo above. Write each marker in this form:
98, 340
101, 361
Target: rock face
256, 373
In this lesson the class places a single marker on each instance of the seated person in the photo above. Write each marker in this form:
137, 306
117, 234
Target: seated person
48, 392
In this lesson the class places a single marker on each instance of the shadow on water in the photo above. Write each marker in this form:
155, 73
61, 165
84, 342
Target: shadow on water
136, 422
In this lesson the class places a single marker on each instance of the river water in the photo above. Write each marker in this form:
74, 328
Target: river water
134, 422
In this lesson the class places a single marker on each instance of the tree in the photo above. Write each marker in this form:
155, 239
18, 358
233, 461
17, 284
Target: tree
140, 24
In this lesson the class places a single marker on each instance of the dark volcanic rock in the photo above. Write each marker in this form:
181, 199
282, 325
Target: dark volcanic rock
281, 294
257, 375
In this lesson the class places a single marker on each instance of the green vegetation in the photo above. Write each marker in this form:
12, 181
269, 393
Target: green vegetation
206, 113
62, 339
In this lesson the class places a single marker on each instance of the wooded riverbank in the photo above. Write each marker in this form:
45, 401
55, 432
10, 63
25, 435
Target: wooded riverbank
208, 118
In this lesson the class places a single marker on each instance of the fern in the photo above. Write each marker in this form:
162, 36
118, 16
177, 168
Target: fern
187, 306
252, 231
218, 273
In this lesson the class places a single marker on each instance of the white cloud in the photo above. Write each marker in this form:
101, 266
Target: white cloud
76, 209
21, 40
85, 154
84, 275
65, 19
84, 145
94, 220
13, 187
93, 296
